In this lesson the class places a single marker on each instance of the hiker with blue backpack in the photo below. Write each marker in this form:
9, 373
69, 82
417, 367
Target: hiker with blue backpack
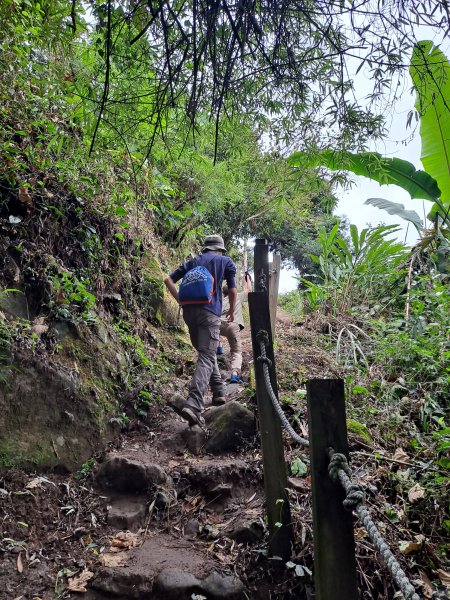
200, 295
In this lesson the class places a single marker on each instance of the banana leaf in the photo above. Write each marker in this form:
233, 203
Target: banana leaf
395, 208
430, 73
418, 184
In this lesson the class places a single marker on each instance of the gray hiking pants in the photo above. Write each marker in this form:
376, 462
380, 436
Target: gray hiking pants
204, 329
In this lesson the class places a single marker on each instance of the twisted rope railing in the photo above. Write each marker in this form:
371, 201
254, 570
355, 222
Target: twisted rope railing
263, 338
339, 471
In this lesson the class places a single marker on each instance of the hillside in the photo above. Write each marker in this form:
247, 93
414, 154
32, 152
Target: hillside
129, 131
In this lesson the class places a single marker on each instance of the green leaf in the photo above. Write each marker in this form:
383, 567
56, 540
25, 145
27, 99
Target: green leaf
298, 468
430, 73
395, 208
385, 171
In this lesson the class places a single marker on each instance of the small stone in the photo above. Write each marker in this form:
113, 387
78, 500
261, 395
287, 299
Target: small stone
191, 528
126, 515
246, 533
162, 500
225, 587
173, 584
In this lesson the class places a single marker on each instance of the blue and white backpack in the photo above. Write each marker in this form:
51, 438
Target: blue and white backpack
196, 287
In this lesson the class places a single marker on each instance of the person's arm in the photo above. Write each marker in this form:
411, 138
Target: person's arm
170, 285
248, 282
175, 276
232, 296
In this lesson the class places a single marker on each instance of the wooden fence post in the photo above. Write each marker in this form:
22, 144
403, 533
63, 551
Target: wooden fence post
261, 264
274, 465
334, 545
273, 290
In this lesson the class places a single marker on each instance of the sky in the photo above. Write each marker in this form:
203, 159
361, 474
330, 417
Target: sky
400, 142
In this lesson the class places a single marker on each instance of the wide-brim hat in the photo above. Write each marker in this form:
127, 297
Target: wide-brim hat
214, 242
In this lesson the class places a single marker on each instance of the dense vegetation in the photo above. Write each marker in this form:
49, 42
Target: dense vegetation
129, 130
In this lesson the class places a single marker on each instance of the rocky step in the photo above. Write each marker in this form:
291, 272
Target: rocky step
165, 567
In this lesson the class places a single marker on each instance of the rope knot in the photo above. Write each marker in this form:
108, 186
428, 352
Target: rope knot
355, 495
264, 360
337, 462
262, 336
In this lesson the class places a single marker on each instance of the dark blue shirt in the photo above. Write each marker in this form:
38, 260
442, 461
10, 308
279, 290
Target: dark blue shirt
221, 267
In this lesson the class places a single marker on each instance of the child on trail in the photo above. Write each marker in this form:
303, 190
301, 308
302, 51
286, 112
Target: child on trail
203, 321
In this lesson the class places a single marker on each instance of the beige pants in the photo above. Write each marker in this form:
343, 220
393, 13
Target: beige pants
232, 332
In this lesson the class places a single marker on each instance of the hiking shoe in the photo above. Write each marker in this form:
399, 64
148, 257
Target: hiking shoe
219, 351
218, 400
193, 417
235, 379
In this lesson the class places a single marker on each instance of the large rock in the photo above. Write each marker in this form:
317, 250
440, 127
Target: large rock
55, 411
228, 425
175, 584
150, 573
126, 475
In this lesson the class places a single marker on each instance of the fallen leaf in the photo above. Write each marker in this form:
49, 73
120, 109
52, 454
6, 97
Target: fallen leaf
125, 540
78, 584
401, 455
417, 492
361, 533
25, 196
427, 586
298, 484
444, 576
409, 547
38, 482
113, 559
19, 563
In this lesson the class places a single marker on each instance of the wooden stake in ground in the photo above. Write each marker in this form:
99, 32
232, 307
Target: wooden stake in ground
275, 477
273, 290
334, 545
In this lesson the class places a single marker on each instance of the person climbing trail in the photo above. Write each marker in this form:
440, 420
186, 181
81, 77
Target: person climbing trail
200, 295
232, 329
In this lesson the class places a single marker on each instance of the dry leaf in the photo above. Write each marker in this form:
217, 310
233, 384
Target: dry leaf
298, 484
25, 196
20, 563
417, 492
400, 455
426, 584
78, 584
124, 540
361, 534
409, 547
113, 559
38, 482
444, 576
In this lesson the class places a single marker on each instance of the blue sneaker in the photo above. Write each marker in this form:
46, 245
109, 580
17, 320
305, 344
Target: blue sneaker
219, 350
235, 379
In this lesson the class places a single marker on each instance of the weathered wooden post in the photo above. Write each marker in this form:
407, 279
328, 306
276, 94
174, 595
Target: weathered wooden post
334, 545
273, 290
274, 465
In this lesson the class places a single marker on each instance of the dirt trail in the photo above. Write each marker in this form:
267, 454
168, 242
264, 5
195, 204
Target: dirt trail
196, 518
